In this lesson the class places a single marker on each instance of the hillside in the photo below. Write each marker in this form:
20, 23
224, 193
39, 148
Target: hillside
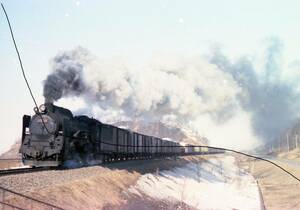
184, 183
287, 145
290, 139
13, 152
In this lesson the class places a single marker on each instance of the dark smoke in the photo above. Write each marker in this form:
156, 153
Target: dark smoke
66, 78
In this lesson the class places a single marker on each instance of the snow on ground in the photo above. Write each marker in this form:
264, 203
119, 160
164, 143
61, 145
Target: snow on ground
215, 184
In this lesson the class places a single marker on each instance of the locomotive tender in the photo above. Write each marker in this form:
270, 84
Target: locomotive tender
53, 136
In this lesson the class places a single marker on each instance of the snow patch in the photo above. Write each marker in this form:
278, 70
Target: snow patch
215, 184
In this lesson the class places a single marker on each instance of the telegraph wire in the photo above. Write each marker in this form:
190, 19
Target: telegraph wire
208, 147
19, 57
36, 109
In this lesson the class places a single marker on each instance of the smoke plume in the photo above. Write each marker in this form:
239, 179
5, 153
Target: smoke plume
66, 78
230, 101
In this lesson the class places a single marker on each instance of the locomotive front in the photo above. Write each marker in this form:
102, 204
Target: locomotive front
42, 136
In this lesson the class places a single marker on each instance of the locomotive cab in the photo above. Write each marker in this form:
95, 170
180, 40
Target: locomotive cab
42, 136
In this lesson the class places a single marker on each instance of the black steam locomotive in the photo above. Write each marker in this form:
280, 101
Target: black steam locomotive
53, 137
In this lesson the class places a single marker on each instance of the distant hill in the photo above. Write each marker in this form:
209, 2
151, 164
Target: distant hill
13, 151
290, 139
287, 141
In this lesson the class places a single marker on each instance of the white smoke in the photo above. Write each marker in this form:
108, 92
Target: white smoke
190, 87
227, 101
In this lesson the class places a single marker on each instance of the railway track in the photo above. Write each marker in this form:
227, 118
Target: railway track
6, 172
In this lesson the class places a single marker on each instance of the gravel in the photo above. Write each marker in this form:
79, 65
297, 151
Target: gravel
27, 182
94, 187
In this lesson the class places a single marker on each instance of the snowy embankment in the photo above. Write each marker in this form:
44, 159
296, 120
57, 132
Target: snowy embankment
214, 184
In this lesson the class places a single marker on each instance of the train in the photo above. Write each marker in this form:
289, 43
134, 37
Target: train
54, 137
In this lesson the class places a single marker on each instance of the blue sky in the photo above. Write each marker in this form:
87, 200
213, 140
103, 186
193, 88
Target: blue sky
135, 29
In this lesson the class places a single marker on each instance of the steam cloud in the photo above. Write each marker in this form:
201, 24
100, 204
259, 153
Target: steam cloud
230, 102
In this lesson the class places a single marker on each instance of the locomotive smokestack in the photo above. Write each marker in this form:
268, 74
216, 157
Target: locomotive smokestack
49, 106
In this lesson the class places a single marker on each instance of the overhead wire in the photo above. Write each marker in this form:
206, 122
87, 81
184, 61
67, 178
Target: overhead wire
208, 147
194, 146
23, 71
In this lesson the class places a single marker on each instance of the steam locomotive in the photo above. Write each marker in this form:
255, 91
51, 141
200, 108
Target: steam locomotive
54, 137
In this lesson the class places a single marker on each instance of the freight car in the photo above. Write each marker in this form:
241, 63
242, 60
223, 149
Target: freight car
53, 137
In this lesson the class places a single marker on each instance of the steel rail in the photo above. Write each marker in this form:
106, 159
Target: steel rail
14, 171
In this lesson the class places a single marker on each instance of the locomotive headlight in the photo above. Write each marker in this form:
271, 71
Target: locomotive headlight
38, 127
43, 108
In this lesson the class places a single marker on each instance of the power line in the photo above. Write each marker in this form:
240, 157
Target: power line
256, 157
22, 69
19, 57
37, 111
208, 147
